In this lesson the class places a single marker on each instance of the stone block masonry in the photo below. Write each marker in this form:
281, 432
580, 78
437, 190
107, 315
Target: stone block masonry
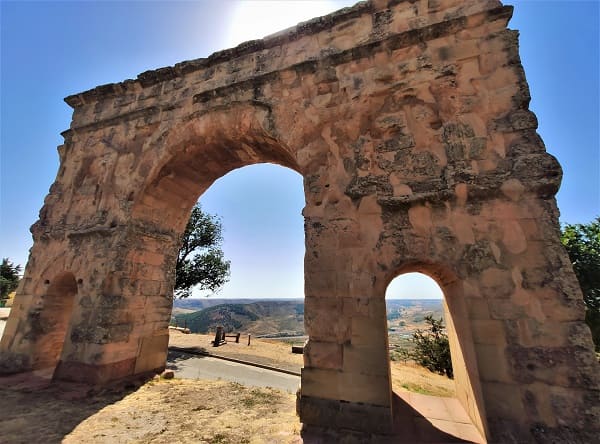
409, 122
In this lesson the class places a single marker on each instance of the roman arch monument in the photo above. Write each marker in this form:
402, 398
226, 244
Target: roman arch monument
409, 122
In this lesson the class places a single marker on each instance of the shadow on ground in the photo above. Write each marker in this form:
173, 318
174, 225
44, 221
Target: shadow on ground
33, 409
431, 419
411, 426
175, 356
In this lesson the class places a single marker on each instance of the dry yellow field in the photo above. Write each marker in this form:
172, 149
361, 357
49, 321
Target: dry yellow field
414, 378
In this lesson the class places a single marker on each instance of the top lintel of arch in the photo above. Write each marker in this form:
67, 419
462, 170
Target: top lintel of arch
152, 77
376, 8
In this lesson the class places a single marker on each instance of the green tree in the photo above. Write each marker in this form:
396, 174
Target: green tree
431, 347
9, 277
200, 261
582, 242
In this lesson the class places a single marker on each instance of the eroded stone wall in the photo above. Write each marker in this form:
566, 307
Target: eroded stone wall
409, 122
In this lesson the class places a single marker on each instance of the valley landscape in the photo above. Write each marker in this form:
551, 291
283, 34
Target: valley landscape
284, 318
263, 318
275, 324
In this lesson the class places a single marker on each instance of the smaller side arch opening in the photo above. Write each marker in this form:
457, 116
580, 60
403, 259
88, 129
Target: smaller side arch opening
410, 299
452, 406
50, 322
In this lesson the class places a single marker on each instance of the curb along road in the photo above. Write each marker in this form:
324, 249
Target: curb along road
195, 351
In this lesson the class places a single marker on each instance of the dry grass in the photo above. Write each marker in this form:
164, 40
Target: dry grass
414, 378
176, 411
194, 411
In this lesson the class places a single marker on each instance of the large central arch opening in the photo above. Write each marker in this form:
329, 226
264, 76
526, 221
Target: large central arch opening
260, 210
225, 159
427, 329
259, 207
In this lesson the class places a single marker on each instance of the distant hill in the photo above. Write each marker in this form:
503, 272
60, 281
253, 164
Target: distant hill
414, 310
199, 304
285, 317
266, 317
405, 316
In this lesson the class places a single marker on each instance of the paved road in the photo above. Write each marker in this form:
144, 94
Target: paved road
193, 367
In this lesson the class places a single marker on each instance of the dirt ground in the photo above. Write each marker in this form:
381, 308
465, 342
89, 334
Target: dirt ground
175, 411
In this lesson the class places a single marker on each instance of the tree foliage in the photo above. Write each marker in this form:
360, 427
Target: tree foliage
582, 242
431, 347
200, 261
9, 277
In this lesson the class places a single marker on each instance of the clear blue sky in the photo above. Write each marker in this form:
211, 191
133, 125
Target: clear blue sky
53, 49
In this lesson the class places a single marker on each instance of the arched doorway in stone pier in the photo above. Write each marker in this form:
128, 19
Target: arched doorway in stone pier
49, 321
452, 406
55, 319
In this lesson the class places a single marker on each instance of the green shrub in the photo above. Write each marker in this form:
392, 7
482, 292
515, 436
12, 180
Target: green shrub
431, 347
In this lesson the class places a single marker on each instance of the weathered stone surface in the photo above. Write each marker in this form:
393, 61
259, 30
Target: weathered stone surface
344, 415
409, 122
328, 355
